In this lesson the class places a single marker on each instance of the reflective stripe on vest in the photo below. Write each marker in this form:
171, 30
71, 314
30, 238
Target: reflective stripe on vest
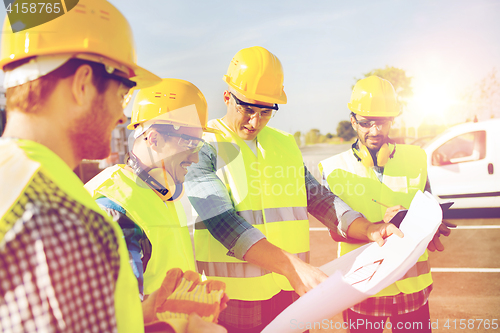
404, 175
268, 191
272, 215
163, 222
235, 269
128, 308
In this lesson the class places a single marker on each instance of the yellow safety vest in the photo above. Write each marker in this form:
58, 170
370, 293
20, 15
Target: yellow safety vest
404, 175
269, 192
20, 161
163, 222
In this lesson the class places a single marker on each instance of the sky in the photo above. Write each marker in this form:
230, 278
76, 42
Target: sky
445, 46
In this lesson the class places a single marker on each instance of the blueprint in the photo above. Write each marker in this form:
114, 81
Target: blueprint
365, 271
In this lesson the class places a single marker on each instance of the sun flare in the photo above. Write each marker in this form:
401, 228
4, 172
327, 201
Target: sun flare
432, 99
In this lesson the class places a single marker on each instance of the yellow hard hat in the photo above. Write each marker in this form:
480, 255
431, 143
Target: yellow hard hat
257, 74
172, 101
374, 97
93, 30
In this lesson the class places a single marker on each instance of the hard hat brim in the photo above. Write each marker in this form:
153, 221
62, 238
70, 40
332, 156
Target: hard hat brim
143, 77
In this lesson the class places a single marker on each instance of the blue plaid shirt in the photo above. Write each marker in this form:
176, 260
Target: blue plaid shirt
210, 198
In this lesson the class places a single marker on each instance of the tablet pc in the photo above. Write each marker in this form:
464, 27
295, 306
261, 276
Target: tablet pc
398, 218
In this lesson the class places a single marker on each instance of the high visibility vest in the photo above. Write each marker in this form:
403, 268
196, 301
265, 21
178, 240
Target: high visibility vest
164, 223
268, 191
404, 175
20, 161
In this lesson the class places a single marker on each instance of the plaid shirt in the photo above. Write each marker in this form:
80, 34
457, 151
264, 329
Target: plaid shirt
210, 198
388, 306
59, 264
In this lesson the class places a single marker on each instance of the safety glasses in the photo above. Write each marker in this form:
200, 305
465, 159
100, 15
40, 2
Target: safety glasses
266, 112
367, 124
188, 141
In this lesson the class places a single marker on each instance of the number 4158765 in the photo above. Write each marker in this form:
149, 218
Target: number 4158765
34, 8
471, 324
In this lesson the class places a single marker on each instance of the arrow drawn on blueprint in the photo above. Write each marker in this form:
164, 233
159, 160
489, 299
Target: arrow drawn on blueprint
364, 273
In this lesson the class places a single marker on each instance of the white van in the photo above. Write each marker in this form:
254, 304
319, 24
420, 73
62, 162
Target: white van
464, 165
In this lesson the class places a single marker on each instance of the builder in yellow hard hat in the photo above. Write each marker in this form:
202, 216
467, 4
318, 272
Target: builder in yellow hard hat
168, 120
390, 174
64, 266
253, 193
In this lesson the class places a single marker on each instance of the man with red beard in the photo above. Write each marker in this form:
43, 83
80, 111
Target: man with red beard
63, 265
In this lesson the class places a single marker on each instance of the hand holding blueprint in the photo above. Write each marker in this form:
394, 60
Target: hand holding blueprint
365, 271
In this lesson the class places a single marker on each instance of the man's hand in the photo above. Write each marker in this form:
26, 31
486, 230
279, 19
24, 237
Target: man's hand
444, 229
198, 325
378, 232
366, 231
148, 307
223, 302
391, 212
302, 276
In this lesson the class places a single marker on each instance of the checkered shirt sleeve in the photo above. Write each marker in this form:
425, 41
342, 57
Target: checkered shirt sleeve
210, 199
59, 263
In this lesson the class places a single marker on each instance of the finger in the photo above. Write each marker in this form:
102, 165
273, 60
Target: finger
391, 212
431, 246
194, 316
443, 230
437, 243
223, 302
393, 230
380, 241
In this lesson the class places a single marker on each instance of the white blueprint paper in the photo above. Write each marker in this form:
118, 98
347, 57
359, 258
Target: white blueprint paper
365, 271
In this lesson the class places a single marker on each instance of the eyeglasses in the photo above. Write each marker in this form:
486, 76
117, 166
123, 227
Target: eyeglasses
266, 112
367, 124
188, 141
126, 82
129, 84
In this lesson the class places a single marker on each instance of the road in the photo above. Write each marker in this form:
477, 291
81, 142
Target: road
466, 275
315, 153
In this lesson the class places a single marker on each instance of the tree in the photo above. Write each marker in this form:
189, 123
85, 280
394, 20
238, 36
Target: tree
398, 78
483, 99
297, 137
345, 130
312, 136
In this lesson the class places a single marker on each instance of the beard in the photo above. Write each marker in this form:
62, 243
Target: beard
91, 134
373, 146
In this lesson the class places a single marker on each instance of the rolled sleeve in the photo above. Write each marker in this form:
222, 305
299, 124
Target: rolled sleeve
246, 241
346, 220
210, 198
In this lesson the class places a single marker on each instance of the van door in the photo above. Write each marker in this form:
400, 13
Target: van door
462, 170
